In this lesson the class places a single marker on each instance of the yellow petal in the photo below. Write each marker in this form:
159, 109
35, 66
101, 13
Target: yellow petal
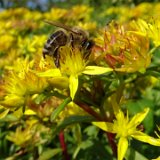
138, 118
10, 100
73, 85
29, 112
50, 73
96, 70
145, 138
106, 126
122, 147
158, 158
138, 33
4, 112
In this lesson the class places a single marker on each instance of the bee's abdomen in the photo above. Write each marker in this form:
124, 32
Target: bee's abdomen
57, 39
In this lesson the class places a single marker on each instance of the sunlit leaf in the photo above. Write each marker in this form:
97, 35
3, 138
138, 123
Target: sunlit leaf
47, 154
96, 70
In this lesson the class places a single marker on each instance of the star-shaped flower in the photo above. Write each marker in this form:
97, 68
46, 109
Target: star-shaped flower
125, 129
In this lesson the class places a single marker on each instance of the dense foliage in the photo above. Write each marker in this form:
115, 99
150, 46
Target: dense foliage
105, 105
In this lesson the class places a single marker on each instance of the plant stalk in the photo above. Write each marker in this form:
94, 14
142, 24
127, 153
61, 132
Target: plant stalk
63, 145
110, 136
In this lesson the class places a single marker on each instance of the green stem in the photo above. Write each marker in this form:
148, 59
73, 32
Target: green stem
56, 112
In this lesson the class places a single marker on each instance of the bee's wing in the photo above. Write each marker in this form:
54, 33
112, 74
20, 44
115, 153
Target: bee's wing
57, 24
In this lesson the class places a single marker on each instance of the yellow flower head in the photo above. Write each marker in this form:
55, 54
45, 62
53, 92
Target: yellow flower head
125, 129
122, 50
88, 26
72, 61
28, 135
20, 82
120, 13
79, 13
55, 14
151, 29
42, 109
142, 9
20, 137
7, 43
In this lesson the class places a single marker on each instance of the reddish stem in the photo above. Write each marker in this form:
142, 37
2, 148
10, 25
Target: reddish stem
89, 110
63, 145
113, 145
110, 136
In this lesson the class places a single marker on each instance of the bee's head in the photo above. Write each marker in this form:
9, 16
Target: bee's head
80, 35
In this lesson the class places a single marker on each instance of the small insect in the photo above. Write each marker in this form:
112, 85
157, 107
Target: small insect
75, 37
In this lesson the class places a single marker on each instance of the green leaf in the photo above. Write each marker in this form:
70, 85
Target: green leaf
49, 153
56, 112
84, 145
77, 133
132, 154
91, 131
72, 120
40, 98
4, 113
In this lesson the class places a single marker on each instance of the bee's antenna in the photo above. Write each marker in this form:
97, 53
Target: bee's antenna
57, 24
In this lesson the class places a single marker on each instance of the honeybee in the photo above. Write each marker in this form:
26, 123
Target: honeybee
75, 37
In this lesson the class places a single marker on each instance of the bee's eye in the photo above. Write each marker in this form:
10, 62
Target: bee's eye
80, 34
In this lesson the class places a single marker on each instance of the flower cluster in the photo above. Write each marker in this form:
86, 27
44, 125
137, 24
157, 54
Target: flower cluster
111, 86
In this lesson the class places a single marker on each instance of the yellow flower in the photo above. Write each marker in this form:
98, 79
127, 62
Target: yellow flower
46, 68
142, 9
89, 26
7, 43
79, 13
24, 136
21, 82
158, 158
14, 13
73, 63
8, 58
122, 50
42, 109
152, 29
120, 13
30, 45
124, 129
55, 14
20, 137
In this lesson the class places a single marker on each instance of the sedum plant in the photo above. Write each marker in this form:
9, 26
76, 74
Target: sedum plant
96, 105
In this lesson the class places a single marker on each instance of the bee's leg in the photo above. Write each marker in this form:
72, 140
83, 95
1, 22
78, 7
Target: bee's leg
87, 46
71, 40
56, 58
44, 53
46, 50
